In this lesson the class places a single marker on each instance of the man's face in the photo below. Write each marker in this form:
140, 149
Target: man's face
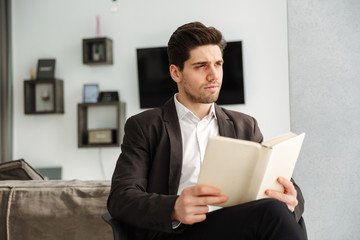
201, 78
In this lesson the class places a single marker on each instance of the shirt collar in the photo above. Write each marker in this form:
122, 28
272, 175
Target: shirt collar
182, 110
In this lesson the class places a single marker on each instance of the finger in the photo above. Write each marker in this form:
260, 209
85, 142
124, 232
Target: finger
211, 200
198, 210
205, 190
289, 200
199, 217
195, 210
194, 219
288, 185
277, 195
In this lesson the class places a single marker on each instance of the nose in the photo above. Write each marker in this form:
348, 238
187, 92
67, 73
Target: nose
213, 73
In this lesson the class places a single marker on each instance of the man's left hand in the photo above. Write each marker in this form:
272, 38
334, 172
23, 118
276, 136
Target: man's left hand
288, 196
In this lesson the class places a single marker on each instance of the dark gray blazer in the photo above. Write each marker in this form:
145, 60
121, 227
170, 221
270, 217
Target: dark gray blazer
147, 174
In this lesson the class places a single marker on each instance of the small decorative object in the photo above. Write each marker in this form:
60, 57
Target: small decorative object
109, 96
114, 6
98, 136
32, 75
97, 26
91, 92
44, 97
97, 52
46, 69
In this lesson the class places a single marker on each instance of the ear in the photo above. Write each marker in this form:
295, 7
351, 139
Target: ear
175, 73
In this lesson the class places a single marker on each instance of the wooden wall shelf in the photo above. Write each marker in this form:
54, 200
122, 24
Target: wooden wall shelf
43, 96
97, 51
83, 119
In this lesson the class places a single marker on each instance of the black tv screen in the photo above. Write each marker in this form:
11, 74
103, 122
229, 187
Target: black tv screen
156, 85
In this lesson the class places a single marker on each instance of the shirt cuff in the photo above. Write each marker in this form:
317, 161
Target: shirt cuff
175, 224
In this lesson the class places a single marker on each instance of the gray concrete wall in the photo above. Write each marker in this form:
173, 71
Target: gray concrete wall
324, 58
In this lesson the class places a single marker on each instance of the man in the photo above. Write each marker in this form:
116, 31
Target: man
154, 187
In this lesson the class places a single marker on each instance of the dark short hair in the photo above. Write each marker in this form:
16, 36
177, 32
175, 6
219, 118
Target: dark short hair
188, 37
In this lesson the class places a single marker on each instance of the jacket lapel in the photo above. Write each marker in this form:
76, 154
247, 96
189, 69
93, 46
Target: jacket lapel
172, 126
226, 125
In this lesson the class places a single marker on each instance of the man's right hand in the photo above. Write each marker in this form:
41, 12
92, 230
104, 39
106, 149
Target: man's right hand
192, 204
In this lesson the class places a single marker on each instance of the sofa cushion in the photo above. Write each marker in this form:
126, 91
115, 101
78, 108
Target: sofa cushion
54, 209
18, 170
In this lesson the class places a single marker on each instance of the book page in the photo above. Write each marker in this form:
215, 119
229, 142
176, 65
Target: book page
278, 140
281, 164
257, 178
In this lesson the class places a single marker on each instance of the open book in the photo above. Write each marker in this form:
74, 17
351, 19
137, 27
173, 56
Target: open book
244, 170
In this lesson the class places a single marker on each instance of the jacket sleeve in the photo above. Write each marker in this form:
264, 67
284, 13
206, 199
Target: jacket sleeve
299, 209
129, 200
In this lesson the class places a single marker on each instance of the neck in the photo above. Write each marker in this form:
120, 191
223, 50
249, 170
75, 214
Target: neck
199, 109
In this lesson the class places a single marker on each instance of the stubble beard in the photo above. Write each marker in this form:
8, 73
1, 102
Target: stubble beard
202, 98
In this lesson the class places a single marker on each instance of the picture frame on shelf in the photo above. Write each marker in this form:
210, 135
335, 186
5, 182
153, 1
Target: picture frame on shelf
46, 69
111, 96
91, 93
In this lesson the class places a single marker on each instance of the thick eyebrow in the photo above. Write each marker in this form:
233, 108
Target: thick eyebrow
199, 63
206, 62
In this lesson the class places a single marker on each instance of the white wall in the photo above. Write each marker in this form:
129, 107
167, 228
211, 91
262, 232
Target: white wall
55, 29
324, 47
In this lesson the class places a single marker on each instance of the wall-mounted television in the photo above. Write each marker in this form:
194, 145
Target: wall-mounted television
156, 85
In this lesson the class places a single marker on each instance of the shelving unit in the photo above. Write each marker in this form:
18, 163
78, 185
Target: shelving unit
83, 123
43, 96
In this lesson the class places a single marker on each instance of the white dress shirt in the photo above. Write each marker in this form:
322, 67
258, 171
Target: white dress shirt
195, 134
